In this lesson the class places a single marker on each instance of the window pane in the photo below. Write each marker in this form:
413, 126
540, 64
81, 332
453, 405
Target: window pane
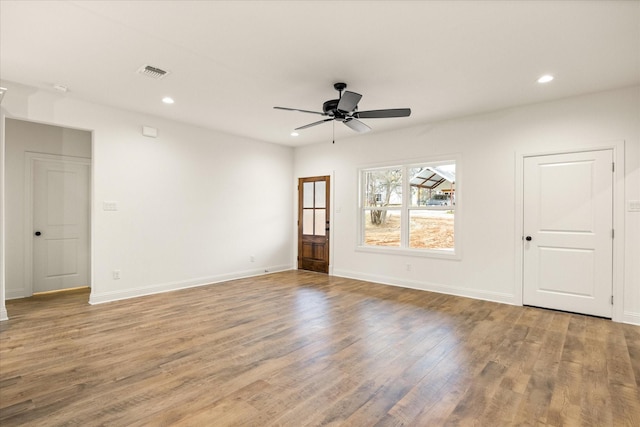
383, 187
431, 229
307, 221
382, 227
321, 195
432, 185
307, 195
320, 222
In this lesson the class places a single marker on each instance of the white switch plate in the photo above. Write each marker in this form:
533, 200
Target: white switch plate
149, 131
109, 206
633, 206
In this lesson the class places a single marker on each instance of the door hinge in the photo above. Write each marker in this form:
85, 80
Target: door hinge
613, 233
611, 299
613, 166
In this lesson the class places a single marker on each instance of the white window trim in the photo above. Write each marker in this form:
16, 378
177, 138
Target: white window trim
404, 250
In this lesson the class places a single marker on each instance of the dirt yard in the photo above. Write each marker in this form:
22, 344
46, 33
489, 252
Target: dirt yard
426, 233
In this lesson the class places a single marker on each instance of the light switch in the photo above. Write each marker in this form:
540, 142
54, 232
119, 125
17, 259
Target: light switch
633, 206
149, 131
109, 206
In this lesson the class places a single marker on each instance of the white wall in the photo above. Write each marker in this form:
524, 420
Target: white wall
488, 146
194, 204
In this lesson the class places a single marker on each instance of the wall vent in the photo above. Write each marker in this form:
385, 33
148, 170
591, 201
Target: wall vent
153, 72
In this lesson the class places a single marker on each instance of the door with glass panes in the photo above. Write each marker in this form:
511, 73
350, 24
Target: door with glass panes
313, 224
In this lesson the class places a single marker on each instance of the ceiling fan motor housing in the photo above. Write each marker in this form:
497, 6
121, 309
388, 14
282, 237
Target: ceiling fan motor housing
331, 108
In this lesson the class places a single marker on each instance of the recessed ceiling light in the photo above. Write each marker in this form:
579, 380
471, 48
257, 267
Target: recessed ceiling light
294, 133
545, 79
168, 100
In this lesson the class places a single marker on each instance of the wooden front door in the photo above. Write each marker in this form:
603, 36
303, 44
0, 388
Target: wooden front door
313, 224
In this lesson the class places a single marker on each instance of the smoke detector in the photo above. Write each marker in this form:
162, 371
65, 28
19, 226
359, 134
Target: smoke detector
153, 72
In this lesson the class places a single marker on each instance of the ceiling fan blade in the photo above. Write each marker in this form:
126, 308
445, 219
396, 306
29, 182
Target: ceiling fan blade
313, 124
381, 114
348, 101
302, 111
357, 125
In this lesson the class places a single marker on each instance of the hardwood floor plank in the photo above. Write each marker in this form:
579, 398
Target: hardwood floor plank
299, 348
539, 391
596, 400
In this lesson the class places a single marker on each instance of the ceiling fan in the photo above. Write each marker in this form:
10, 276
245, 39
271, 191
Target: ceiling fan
345, 110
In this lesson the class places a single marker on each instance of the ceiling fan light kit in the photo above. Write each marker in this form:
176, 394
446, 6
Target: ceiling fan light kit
345, 110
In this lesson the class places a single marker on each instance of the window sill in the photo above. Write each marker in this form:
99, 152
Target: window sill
449, 254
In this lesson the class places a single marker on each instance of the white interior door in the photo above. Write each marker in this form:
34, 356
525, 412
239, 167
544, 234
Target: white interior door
60, 225
568, 220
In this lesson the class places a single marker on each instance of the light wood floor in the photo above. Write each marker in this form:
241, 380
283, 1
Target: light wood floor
298, 348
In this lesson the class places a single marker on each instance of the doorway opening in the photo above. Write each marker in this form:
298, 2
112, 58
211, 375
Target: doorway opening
314, 223
48, 208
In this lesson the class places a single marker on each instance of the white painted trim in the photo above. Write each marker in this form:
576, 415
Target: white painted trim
3, 309
332, 222
29, 159
518, 248
15, 294
431, 287
104, 297
620, 231
618, 148
631, 318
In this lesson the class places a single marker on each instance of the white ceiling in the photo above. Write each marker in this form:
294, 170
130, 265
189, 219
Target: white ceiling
231, 62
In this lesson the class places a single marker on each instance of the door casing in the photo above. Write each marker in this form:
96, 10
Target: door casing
314, 250
618, 148
568, 250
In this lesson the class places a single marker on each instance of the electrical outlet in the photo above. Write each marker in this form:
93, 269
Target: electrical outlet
408, 266
252, 258
116, 274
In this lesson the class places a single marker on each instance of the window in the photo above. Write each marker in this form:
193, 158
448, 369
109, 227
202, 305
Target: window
409, 208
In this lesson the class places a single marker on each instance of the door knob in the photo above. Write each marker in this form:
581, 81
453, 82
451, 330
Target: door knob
528, 238
37, 233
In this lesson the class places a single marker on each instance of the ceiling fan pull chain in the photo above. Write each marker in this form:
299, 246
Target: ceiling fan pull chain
334, 131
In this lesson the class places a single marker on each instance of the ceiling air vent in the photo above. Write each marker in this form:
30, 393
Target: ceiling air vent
153, 72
